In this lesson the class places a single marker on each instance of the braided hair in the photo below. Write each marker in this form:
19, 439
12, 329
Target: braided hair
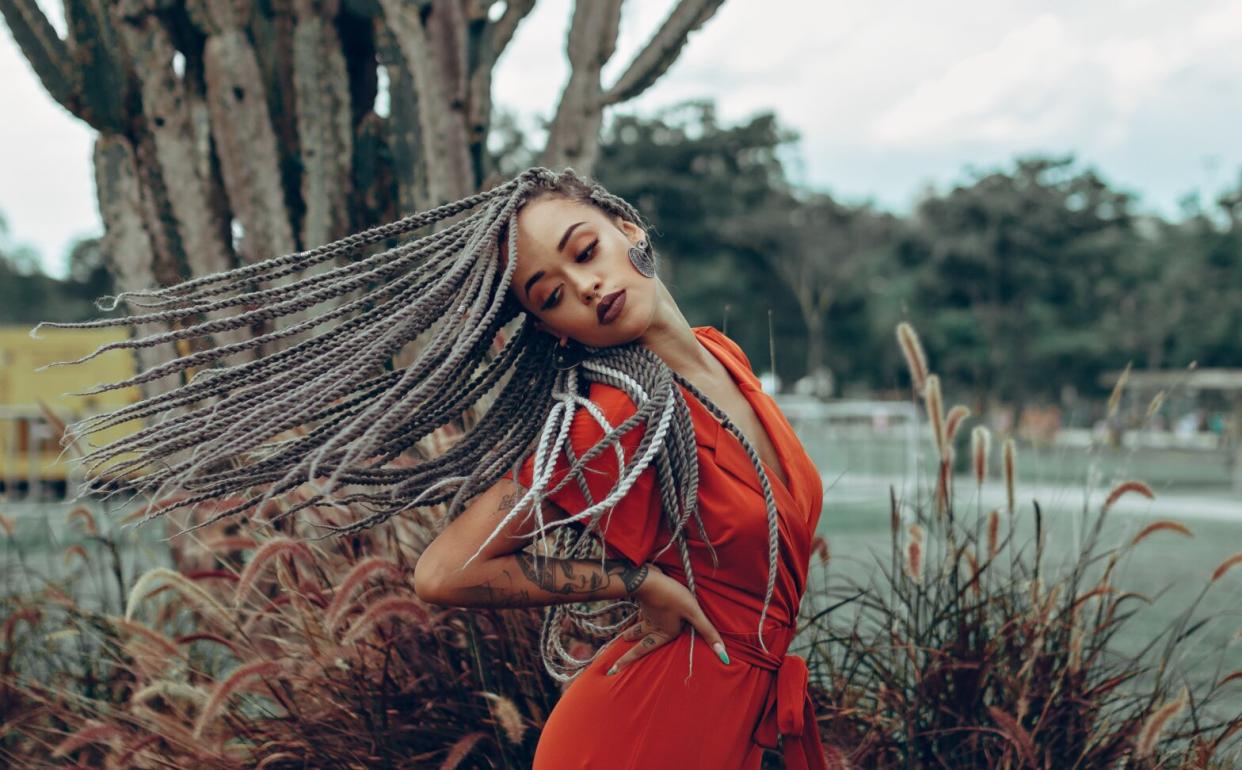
225, 432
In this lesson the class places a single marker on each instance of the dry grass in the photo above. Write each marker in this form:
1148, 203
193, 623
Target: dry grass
942, 659
269, 651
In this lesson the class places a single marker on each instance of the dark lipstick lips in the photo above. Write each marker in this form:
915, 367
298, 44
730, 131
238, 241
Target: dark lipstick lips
606, 304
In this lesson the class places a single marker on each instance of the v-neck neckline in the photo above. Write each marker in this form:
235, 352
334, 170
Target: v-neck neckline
747, 390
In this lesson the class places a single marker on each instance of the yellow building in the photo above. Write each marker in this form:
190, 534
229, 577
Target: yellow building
29, 442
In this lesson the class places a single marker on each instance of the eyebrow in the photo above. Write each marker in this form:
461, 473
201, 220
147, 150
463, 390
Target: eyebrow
559, 247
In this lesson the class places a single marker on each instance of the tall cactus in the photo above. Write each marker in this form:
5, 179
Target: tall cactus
234, 130
241, 127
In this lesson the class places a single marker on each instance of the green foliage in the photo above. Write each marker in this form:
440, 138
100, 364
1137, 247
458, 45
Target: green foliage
27, 295
1025, 279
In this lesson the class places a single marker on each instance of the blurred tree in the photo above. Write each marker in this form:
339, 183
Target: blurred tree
28, 296
1216, 316
826, 253
23, 287
89, 277
1013, 271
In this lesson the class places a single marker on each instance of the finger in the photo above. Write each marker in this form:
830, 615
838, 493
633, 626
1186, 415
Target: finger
645, 645
636, 631
704, 626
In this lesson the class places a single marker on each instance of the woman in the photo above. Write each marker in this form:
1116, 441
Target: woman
620, 425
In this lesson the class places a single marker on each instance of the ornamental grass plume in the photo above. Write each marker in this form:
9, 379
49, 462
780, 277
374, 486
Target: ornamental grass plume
1009, 467
993, 532
508, 716
1123, 488
968, 648
406, 608
916, 359
914, 553
1154, 405
361, 572
953, 421
1226, 565
935, 412
980, 448
1164, 525
270, 550
203, 601
90, 733
262, 670
1147, 738
1114, 398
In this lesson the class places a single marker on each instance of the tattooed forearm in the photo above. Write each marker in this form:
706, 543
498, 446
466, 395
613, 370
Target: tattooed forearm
569, 576
633, 577
522, 580
495, 593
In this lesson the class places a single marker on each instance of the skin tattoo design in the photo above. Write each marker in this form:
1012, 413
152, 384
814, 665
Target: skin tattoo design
579, 579
582, 579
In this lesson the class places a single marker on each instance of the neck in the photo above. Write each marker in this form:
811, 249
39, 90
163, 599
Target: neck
670, 337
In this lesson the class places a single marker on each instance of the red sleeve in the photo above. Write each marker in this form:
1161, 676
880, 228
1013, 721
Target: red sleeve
734, 349
630, 529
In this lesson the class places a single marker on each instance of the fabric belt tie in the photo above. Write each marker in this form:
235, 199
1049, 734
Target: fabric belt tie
788, 710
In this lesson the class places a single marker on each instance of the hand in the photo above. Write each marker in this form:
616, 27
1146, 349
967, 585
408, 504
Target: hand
664, 607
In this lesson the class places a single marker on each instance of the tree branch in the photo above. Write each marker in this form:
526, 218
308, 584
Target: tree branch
47, 53
573, 136
507, 24
662, 50
403, 18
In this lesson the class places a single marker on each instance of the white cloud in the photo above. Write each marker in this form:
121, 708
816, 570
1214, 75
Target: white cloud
992, 95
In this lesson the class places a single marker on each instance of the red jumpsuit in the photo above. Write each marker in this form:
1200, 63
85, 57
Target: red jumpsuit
650, 715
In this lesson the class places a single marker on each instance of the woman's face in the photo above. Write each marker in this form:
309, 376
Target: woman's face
571, 256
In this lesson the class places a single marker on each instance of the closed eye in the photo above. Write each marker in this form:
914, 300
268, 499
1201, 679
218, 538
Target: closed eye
555, 296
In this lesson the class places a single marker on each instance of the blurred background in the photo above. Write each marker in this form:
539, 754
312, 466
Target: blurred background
1049, 192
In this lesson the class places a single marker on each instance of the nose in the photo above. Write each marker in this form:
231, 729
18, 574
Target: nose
589, 285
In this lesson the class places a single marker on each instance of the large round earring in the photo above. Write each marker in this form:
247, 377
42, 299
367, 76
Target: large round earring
643, 258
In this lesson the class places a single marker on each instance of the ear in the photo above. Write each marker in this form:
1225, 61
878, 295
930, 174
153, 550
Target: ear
632, 231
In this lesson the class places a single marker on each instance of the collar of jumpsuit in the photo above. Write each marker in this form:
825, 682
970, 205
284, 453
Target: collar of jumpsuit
788, 710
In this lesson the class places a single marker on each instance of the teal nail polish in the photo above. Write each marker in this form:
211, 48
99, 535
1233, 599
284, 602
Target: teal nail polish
612, 671
720, 652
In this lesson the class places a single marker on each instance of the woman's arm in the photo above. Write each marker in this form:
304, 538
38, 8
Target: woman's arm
504, 576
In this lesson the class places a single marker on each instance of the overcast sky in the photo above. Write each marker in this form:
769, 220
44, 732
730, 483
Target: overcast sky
888, 95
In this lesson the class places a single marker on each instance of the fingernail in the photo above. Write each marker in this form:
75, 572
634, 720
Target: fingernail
612, 670
720, 652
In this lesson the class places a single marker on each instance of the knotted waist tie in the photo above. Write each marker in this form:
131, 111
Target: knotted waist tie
788, 709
